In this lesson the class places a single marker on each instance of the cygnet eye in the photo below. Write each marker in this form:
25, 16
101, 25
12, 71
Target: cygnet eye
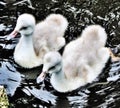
52, 67
24, 28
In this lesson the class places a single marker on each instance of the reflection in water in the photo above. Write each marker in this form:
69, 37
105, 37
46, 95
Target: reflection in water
81, 99
79, 13
9, 78
114, 74
41, 94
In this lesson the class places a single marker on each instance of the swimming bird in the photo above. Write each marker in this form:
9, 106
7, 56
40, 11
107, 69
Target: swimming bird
38, 39
82, 61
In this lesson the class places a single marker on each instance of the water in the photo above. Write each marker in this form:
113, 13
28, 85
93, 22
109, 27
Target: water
21, 84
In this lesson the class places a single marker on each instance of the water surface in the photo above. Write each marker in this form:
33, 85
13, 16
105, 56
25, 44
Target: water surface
21, 83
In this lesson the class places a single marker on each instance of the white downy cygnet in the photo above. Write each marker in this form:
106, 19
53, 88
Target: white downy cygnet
37, 40
82, 61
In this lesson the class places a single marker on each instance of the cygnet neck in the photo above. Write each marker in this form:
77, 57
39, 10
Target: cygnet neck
27, 40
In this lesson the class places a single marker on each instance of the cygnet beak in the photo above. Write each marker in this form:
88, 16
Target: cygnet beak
41, 77
14, 33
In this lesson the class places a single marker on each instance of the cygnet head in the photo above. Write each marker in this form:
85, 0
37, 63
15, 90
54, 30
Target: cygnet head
52, 64
25, 25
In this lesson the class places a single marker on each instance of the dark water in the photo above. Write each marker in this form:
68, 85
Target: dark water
20, 83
